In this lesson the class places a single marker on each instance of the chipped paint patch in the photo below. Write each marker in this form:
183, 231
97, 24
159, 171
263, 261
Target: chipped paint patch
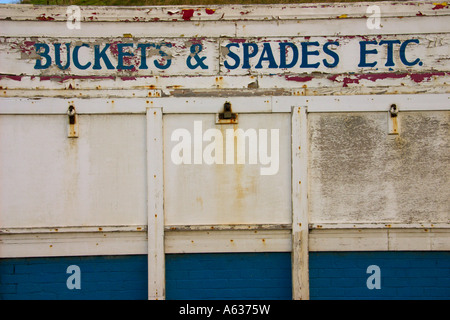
438, 6
299, 78
43, 17
187, 14
416, 77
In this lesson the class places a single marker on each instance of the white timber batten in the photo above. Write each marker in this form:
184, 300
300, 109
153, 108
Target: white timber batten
265, 104
155, 209
86, 241
300, 214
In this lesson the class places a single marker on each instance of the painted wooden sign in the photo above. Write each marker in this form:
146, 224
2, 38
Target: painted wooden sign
209, 56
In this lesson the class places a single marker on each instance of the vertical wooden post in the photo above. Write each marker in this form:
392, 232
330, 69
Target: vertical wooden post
300, 229
155, 210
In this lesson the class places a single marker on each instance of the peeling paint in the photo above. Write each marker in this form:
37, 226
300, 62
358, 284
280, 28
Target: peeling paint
43, 17
438, 6
299, 78
416, 77
187, 14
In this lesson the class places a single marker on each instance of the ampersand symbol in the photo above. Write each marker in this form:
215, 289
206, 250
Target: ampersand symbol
195, 49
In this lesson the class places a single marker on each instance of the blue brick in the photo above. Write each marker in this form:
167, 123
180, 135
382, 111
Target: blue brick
8, 288
437, 292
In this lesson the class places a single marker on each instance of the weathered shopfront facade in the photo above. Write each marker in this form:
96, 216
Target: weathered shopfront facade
242, 152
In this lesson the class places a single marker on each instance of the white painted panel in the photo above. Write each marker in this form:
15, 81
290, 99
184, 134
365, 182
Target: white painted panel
49, 180
227, 193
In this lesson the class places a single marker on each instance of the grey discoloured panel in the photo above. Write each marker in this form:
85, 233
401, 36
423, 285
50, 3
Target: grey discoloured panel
359, 173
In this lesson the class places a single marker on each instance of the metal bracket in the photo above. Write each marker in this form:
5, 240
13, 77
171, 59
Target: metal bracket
393, 123
227, 116
72, 131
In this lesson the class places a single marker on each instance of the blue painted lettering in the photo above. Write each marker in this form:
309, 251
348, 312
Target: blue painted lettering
363, 52
45, 55
306, 53
76, 61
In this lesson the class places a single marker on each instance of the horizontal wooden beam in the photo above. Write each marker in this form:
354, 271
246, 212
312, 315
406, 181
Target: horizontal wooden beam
130, 240
224, 227
259, 104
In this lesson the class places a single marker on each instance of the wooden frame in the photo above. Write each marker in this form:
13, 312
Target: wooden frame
300, 229
156, 259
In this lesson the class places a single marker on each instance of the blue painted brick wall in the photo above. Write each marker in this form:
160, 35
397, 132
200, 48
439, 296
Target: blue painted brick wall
102, 278
404, 275
333, 275
210, 276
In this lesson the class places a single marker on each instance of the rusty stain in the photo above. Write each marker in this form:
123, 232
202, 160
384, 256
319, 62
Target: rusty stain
100, 229
263, 241
387, 225
394, 125
319, 226
138, 228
